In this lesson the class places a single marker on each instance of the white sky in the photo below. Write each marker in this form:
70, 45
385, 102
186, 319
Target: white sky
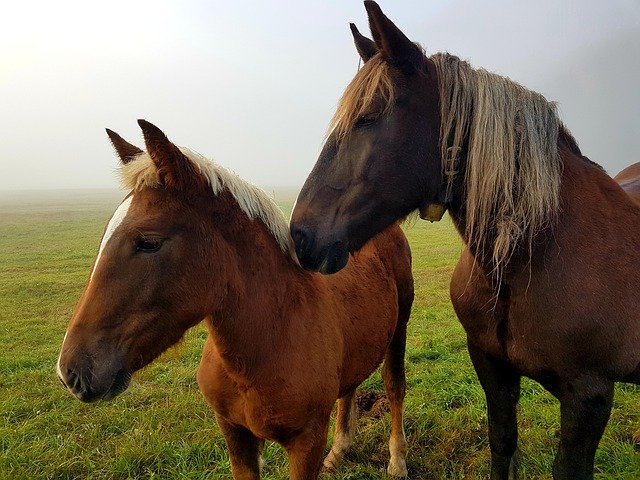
253, 84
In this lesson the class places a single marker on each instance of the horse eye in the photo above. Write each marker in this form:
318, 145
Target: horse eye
148, 245
368, 119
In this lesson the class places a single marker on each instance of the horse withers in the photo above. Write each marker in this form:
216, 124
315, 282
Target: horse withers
194, 242
548, 284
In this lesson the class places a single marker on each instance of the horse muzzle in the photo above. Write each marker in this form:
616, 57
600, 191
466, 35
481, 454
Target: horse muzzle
317, 255
89, 383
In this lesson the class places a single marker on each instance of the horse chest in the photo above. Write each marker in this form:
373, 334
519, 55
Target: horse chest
483, 315
267, 413
487, 333
269, 406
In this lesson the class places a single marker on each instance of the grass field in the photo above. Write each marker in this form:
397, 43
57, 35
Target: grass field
162, 428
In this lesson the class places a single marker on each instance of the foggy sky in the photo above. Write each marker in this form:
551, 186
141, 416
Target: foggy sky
253, 84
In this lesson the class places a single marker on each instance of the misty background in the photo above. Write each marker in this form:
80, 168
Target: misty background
253, 84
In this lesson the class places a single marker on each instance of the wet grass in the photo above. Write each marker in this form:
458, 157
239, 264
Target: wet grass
162, 428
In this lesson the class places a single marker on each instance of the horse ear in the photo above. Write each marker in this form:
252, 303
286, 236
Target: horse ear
366, 47
174, 168
393, 44
124, 149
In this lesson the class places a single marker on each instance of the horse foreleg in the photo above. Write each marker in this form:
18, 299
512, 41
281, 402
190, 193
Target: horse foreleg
393, 374
585, 406
305, 449
245, 450
346, 419
501, 384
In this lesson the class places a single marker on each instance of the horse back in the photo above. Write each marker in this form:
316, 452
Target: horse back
629, 180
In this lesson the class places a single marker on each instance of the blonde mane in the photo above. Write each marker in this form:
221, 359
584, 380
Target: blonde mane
253, 201
513, 171
512, 175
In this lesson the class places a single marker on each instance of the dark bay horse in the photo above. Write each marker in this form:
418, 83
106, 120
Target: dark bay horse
629, 180
548, 284
193, 241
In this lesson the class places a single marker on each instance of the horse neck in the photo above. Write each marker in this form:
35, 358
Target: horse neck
263, 285
456, 206
568, 151
589, 200
457, 212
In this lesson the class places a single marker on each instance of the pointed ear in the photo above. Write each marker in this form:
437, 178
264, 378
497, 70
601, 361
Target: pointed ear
174, 168
124, 149
393, 44
366, 47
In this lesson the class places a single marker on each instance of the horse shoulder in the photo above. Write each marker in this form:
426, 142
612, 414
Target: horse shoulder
218, 388
562, 306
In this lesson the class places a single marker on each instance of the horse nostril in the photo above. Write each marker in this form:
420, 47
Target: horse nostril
69, 379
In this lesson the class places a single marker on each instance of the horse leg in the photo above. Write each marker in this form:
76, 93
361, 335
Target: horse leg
306, 449
501, 384
245, 450
585, 406
634, 378
346, 418
393, 374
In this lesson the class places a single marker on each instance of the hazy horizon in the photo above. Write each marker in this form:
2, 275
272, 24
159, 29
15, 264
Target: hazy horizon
253, 85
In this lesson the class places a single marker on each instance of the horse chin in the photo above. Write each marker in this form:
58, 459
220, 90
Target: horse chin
324, 257
118, 385
334, 262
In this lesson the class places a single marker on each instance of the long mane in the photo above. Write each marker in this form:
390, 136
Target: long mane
510, 134
252, 200
513, 171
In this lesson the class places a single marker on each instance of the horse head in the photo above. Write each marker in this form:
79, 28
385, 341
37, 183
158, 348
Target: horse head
381, 160
150, 281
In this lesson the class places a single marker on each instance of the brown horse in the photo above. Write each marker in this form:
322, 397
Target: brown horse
193, 241
548, 284
629, 180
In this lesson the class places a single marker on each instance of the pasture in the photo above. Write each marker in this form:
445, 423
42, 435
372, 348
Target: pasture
162, 428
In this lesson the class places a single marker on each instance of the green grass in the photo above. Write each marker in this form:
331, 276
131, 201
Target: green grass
162, 428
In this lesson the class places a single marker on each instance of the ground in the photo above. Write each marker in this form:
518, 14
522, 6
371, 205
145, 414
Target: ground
161, 427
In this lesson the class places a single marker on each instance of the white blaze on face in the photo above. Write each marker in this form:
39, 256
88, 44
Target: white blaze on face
114, 223
58, 369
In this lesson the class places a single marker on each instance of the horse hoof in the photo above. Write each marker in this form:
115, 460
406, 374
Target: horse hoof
330, 464
397, 468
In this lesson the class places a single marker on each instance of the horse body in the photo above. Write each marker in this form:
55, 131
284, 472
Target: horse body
194, 242
275, 363
629, 180
526, 322
547, 285
566, 318
324, 340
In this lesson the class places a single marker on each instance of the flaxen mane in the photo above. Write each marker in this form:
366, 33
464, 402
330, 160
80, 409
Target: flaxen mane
512, 168
255, 202
513, 171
